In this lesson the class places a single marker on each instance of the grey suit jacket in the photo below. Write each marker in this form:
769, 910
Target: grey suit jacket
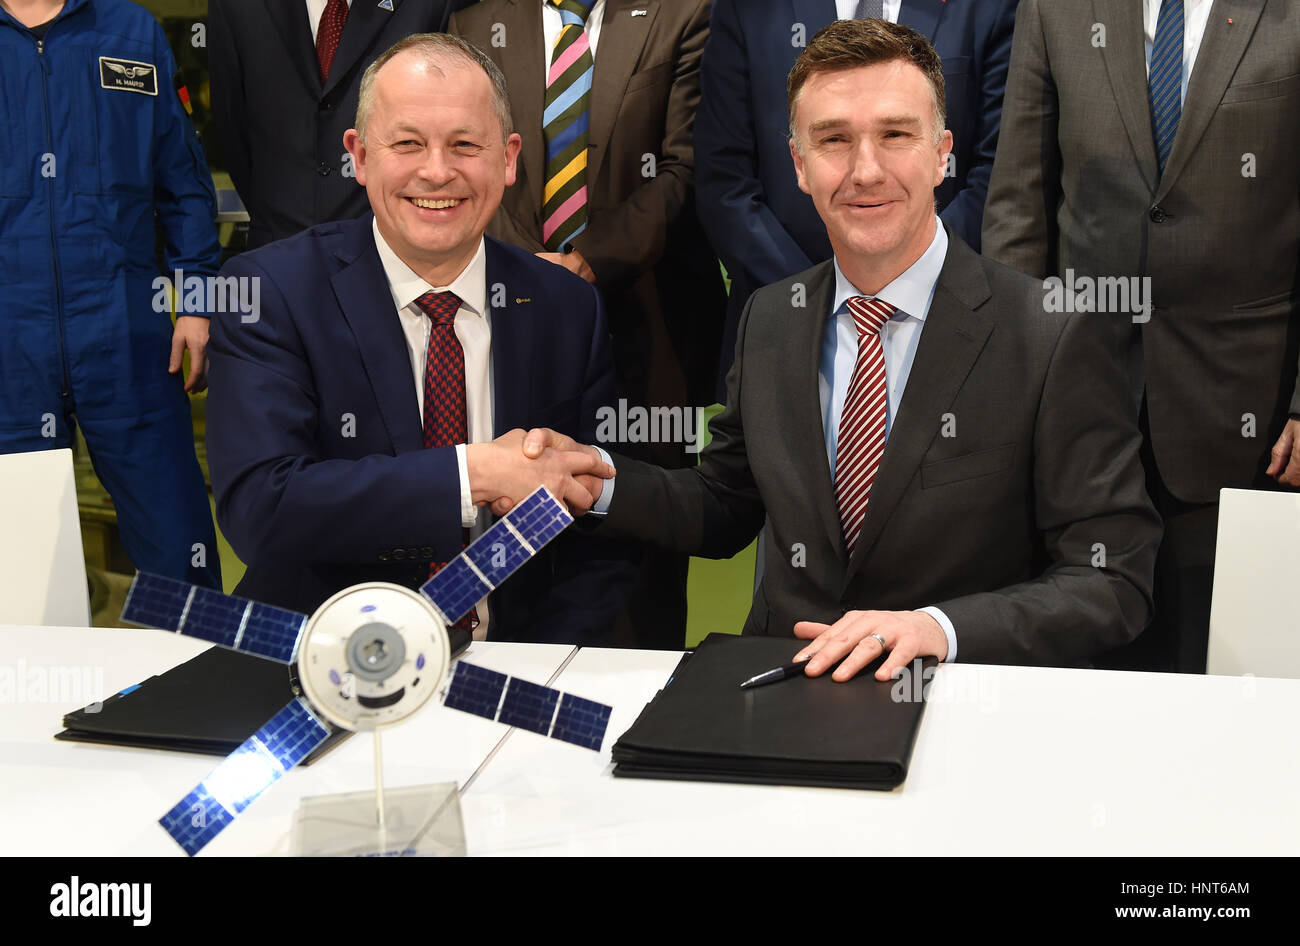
1011, 475
1075, 186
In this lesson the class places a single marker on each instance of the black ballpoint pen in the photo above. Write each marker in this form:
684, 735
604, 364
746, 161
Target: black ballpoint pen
775, 676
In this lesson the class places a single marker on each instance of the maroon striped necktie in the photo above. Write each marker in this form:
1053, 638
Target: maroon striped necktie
861, 440
328, 32
445, 420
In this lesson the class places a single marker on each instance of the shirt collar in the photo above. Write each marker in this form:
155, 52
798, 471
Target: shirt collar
911, 291
406, 286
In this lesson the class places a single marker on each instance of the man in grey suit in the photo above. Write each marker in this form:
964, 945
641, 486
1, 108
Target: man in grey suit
924, 440
1156, 143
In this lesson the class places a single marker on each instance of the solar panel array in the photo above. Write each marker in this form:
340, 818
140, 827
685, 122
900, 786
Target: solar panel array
247, 626
496, 554
286, 739
519, 703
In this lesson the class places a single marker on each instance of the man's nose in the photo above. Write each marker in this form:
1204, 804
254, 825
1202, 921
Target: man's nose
436, 169
866, 168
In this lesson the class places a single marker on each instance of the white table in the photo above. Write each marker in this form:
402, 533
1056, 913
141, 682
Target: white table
1008, 761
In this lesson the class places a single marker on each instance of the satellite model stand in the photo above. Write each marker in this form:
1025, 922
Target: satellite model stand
368, 658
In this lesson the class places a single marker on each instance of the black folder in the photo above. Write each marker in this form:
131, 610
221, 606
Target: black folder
209, 704
801, 731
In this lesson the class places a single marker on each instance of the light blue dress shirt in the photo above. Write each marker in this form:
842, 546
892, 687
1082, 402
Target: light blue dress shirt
910, 293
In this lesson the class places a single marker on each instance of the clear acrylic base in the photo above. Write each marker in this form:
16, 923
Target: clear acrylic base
420, 821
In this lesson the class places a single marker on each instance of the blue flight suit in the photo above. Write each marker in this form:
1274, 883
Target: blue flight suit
94, 141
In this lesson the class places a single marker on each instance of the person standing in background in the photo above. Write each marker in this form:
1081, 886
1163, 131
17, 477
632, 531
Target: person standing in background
97, 152
285, 76
604, 94
1154, 143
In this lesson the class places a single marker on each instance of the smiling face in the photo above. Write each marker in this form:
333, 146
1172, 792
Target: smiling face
433, 162
867, 153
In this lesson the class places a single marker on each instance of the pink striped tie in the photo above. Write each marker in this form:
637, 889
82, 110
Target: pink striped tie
861, 441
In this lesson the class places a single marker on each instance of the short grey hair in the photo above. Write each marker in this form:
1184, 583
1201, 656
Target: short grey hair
437, 49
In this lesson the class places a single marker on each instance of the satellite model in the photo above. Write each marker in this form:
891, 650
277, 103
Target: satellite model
368, 658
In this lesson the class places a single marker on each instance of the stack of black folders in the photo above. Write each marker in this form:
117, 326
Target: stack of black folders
802, 731
209, 704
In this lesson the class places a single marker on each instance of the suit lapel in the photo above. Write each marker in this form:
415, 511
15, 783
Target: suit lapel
922, 16
1125, 56
807, 434
512, 342
365, 20
290, 21
1221, 50
622, 37
524, 64
951, 340
361, 289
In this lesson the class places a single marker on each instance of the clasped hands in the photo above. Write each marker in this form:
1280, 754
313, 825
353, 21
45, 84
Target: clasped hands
505, 471
854, 641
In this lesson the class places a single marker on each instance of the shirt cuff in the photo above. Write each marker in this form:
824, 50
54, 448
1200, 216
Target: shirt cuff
948, 631
606, 490
468, 511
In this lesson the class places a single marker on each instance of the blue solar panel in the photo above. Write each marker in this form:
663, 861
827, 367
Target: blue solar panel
455, 589
214, 617
539, 518
171, 605
154, 601
496, 554
581, 722
272, 632
529, 706
475, 690
286, 739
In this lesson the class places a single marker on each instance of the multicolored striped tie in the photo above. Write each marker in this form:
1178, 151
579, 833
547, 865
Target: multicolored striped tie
861, 440
1165, 79
565, 126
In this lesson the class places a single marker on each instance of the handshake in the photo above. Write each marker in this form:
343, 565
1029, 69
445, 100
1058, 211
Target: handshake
504, 471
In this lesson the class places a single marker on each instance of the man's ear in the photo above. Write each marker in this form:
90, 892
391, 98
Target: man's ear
513, 144
357, 148
945, 149
798, 168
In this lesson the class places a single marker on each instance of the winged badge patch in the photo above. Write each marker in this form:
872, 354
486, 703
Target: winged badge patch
126, 75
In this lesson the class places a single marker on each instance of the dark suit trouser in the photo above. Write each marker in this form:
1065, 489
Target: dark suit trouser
1178, 636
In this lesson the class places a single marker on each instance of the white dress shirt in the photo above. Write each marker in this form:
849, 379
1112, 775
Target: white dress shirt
473, 327
1196, 13
552, 24
315, 10
844, 9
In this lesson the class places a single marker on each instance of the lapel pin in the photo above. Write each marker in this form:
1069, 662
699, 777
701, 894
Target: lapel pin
639, 12
386, 5
520, 300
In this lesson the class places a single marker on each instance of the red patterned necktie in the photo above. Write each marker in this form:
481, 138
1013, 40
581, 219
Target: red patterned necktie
327, 34
861, 440
445, 422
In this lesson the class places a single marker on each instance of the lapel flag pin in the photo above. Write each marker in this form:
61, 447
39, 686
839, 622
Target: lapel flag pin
386, 5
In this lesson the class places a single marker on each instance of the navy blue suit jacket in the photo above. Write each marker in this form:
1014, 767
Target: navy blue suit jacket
761, 225
315, 437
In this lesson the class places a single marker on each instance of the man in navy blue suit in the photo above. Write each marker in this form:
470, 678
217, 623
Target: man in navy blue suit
370, 407
762, 226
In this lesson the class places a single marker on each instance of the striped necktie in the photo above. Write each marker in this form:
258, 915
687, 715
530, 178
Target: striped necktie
564, 128
861, 440
1165, 81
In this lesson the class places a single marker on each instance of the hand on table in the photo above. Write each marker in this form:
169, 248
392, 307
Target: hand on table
907, 635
